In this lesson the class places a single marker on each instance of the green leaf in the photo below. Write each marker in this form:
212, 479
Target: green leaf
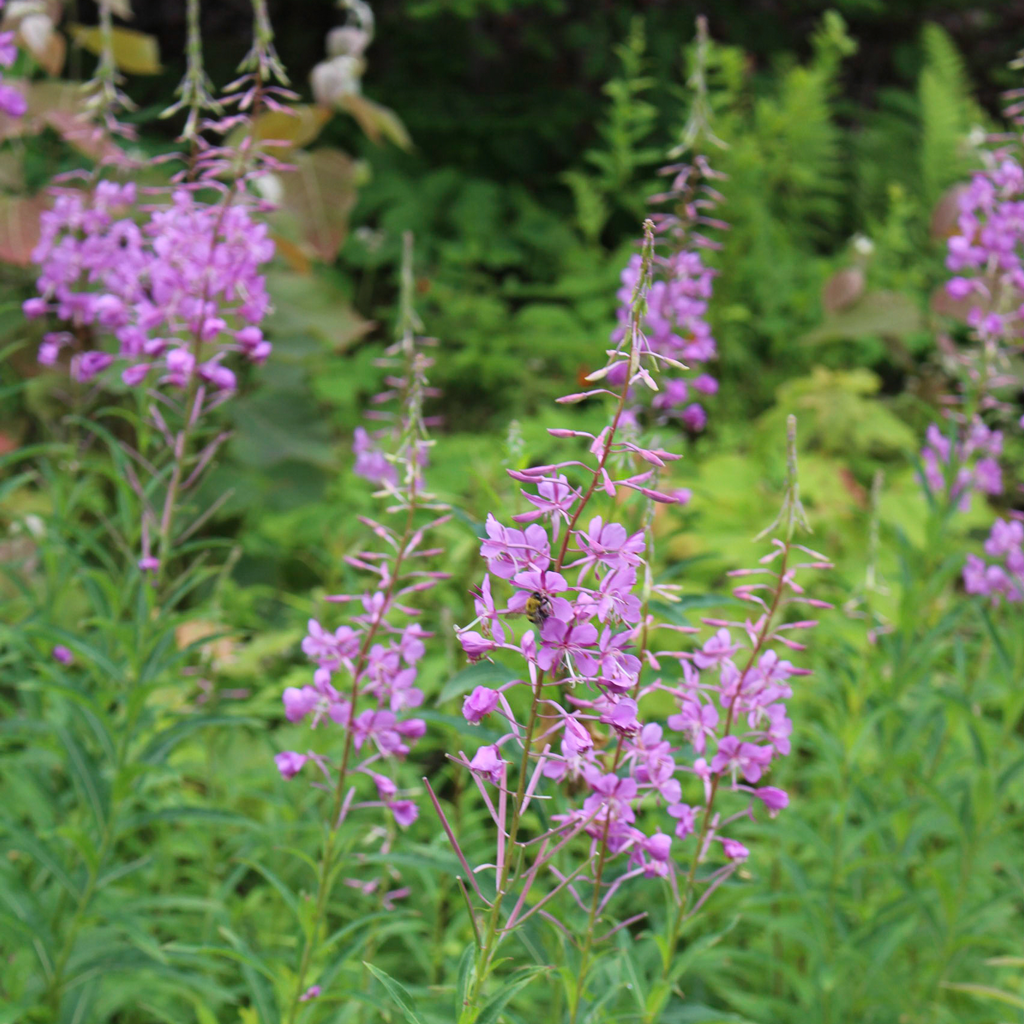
398, 993
464, 977
492, 1011
15, 838
85, 777
167, 739
987, 992
483, 673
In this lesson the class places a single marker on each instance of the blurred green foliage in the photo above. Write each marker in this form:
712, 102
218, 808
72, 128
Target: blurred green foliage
893, 883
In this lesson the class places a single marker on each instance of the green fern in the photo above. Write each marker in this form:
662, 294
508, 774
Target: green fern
624, 149
947, 114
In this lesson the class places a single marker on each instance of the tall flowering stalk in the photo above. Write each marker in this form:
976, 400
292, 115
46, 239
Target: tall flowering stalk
365, 681
175, 283
153, 293
986, 256
676, 323
590, 669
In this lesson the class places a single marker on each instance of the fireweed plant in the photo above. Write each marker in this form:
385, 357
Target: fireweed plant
986, 256
153, 295
176, 283
364, 693
632, 798
675, 323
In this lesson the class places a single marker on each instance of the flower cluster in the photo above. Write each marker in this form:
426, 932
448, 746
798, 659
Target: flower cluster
378, 650
592, 642
1005, 542
178, 292
376, 653
383, 678
987, 252
12, 102
675, 327
970, 464
583, 725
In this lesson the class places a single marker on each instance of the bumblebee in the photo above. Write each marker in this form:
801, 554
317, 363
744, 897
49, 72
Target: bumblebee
538, 608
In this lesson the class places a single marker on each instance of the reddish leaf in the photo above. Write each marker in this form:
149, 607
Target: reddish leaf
19, 227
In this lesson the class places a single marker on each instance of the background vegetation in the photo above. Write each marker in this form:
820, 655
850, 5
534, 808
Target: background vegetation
525, 146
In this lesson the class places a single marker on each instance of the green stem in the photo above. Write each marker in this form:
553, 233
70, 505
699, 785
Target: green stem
684, 902
325, 877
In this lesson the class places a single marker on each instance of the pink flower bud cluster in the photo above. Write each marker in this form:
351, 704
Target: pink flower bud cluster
12, 102
178, 289
597, 682
586, 655
675, 324
971, 464
987, 252
380, 679
377, 653
1005, 543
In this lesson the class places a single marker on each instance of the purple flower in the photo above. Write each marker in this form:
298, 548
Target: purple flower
609, 544
405, 812
716, 649
734, 850
694, 417
687, 819
698, 721
509, 551
475, 644
561, 640
736, 756
554, 497
87, 365
289, 764
488, 761
479, 704
371, 462
12, 102
63, 655
311, 993
774, 799
299, 703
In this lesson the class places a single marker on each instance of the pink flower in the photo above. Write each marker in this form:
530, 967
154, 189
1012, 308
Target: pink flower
687, 819
747, 758
299, 702
560, 640
488, 761
405, 812
715, 650
774, 799
734, 850
289, 764
63, 655
479, 704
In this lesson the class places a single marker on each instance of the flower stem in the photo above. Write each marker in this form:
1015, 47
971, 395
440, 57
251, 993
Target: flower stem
325, 878
684, 900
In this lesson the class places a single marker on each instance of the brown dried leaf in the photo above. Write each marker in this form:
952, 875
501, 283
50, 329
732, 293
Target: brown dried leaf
842, 289
945, 214
298, 127
19, 227
318, 196
377, 121
52, 58
138, 53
